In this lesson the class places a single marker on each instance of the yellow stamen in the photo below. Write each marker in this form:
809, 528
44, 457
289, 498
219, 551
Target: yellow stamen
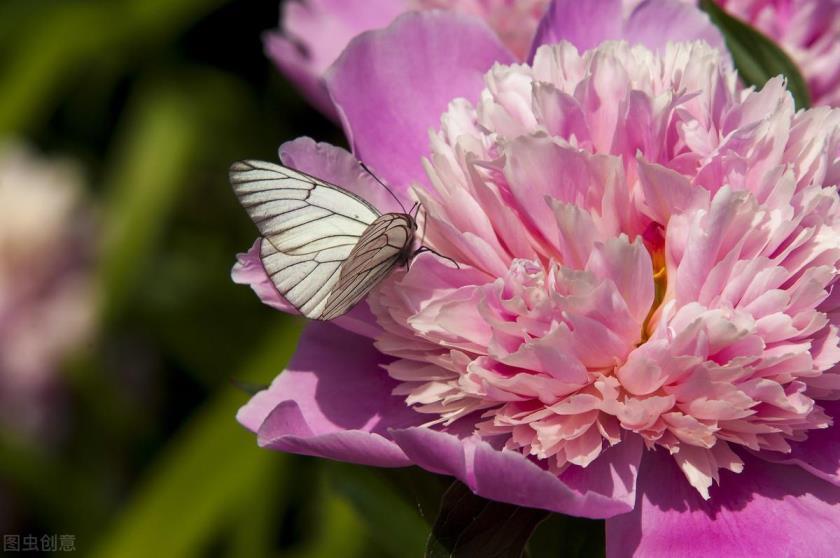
660, 285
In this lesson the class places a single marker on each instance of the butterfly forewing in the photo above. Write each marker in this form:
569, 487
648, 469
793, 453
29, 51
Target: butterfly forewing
293, 209
309, 229
386, 243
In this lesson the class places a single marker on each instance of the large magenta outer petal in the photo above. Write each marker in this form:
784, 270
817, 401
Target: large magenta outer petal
584, 24
820, 453
334, 401
613, 473
337, 166
769, 510
508, 476
653, 23
289, 60
315, 32
392, 85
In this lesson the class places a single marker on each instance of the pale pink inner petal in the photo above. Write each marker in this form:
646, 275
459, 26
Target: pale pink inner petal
642, 247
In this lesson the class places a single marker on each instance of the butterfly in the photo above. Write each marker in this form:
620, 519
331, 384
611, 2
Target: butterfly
324, 248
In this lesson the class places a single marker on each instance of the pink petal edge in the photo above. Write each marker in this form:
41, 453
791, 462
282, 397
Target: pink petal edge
411, 70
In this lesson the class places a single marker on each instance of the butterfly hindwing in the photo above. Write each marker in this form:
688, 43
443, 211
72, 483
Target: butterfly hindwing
305, 281
385, 244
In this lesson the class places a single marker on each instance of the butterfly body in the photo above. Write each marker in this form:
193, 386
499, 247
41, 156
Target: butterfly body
386, 244
323, 247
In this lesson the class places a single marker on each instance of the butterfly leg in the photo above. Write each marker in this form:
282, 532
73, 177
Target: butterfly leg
435, 252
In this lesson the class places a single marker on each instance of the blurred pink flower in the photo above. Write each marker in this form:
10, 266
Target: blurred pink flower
643, 326
313, 33
46, 305
808, 30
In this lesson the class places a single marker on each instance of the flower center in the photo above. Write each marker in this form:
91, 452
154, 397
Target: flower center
660, 285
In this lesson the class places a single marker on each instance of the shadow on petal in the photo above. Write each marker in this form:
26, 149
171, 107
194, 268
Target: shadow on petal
503, 475
768, 510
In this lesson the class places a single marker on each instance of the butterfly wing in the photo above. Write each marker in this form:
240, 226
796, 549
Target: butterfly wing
309, 228
385, 244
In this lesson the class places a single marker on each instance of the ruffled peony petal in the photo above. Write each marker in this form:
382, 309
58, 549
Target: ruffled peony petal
652, 23
329, 405
667, 192
767, 510
538, 169
411, 71
510, 477
820, 453
668, 272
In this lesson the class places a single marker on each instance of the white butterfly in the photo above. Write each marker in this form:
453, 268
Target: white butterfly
323, 247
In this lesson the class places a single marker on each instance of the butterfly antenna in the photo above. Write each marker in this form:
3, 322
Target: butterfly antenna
367, 170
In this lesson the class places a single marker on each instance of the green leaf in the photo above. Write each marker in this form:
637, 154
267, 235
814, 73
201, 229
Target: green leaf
568, 536
420, 489
210, 472
469, 526
394, 523
756, 57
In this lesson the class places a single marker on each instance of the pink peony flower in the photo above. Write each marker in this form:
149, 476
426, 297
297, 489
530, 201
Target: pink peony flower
808, 30
46, 305
643, 326
313, 33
